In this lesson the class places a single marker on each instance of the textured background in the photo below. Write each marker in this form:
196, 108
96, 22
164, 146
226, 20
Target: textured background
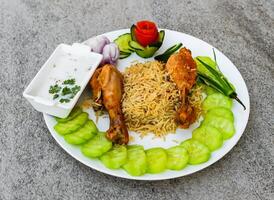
33, 166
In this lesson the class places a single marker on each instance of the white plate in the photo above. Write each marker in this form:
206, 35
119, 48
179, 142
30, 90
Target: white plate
198, 48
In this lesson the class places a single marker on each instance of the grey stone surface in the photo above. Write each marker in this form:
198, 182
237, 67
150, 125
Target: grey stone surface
33, 166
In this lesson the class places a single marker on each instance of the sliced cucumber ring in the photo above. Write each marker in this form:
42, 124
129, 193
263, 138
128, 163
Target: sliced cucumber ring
97, 146
225, 126
122, 56
156, 160
74, 113
72, 125
123, 43
83, 134
209, 136
198, 152
177, 158
115, 158
148, 52
136, 164
216, 100
221, 112
136, 46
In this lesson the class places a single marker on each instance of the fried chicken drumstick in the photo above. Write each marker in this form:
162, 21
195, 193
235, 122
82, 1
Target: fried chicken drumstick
107, 88
183, 71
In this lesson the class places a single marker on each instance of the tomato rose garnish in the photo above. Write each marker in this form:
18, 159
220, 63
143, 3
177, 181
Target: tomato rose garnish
146, 33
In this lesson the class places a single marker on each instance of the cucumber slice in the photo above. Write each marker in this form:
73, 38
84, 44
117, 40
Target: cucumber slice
72, 125
148, 52
216, 100
115, 158
122, 42
209, 136
136, 164
74, 113
177, 158
136, 46
210, 90
198, 152
164, 57
97, 146
135, 147
156, 160
221, 112
225, 126
83, 134
74, 139
122, 56
132, 28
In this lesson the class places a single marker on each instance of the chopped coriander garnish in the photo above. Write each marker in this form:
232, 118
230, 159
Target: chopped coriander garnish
69, 81
68, 87
64, 100
55, 96
66, 90
54, 89
75, 89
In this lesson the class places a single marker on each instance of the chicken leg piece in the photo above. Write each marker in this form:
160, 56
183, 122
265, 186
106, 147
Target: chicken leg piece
107, 89
183, 71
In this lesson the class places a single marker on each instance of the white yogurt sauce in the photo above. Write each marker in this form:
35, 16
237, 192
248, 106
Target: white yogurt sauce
65, 67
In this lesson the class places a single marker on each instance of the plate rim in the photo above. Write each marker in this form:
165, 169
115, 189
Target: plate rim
155, 178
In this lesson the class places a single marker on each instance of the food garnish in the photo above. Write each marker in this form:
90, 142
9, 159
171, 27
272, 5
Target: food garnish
66, 91
197, 151
209, 136
211, 75
53, 89
177, 158
110, 54
156, 160
97, 146
71, 125
69, 82
164, 56
136, 164
101, 44
145, 33
144, 39
97, 43
115, 158
74, 113
123, 42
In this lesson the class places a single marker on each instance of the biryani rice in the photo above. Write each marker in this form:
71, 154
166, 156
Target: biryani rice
150, 99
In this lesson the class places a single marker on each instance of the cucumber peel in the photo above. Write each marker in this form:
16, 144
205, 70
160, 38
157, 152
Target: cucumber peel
164, 56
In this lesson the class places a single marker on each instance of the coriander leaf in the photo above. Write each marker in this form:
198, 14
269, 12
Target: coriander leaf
64, 100
75, 89
69, 81
66, 91
55, 96
54, 89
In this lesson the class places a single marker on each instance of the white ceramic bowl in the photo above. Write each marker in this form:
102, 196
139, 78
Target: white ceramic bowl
76, 59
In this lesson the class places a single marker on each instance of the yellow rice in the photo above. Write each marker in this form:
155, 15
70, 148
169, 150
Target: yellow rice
150, 99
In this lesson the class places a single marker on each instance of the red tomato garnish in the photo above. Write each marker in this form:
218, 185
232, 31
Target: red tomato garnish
146, 33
